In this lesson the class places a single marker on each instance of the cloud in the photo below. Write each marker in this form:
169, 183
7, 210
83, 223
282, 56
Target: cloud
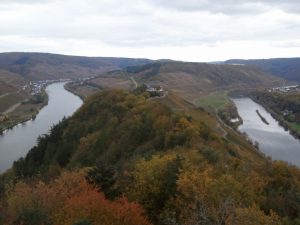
230, 7
24, 1
106, 27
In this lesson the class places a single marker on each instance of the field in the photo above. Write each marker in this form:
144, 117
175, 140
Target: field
216, 100
15, 108
83, 91
112, 82
21, 113
295, 126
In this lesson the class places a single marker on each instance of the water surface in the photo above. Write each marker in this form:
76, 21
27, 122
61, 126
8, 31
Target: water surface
273, 140
16, 142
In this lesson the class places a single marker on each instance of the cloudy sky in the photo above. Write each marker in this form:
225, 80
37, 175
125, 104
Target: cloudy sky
191, 30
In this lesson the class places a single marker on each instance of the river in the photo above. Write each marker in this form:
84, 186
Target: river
16, 142
273, 140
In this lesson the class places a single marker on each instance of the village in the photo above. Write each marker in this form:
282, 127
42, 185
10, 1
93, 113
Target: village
286, 89
36, 87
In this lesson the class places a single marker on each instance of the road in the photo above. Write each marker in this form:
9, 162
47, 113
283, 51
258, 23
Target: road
12, 108
2, 96
134, 82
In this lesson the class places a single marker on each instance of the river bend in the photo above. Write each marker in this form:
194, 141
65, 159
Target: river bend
16, 142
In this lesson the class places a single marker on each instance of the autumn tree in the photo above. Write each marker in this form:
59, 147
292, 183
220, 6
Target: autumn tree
68, 200
253, 216
154, 182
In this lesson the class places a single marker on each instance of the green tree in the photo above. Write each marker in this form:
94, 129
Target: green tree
103, 177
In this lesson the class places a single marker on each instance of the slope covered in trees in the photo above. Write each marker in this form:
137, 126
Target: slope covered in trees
286, 68
192, 80
69, 199
129, 155
41, 66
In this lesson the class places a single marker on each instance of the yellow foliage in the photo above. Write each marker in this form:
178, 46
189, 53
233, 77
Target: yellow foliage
149, 179
193, 184
253, 216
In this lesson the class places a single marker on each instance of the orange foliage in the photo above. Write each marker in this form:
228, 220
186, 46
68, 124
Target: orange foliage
68, 200
92, 206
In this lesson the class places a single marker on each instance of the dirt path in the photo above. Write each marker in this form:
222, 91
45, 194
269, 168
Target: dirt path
2, 96
12, 108
134, 82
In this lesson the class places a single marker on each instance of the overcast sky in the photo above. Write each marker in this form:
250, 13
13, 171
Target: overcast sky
190, 30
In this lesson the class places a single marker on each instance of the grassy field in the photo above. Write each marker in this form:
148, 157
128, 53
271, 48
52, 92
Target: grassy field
21, 114
83, 91
18, 107
9, 100
216, 100
295, 126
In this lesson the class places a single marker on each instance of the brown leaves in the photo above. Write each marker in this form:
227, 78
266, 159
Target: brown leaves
253, 216
68, 200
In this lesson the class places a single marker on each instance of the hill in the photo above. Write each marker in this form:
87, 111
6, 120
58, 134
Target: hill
42, 66
18, 69
286, 68
10, 82
17, 104
139, 153
190, 80
11, 92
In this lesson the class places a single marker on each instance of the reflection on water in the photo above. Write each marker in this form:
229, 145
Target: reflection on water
16, 142
273, 139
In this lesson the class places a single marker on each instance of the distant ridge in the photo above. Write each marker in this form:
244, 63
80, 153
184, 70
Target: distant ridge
192, 79
286, 68
41, 66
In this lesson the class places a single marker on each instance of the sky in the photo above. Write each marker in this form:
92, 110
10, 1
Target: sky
188, 30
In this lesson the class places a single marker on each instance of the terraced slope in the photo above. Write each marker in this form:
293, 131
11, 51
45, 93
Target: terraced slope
41, 66
286, 68
191, 79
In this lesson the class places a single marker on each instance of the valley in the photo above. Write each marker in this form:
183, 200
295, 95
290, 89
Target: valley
24, 103
149, 112
24, 76
188, 80
28, 132
153, 133
128, 143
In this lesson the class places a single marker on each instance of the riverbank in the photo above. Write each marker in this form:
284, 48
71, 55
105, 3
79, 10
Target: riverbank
220, 104
273, 140
282, 122
81, 90
16, 142
293, 128
24, 112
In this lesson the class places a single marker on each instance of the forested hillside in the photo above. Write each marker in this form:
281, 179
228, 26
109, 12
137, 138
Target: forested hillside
286, 68
190, 80
41, 66
126, 159
21, 73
